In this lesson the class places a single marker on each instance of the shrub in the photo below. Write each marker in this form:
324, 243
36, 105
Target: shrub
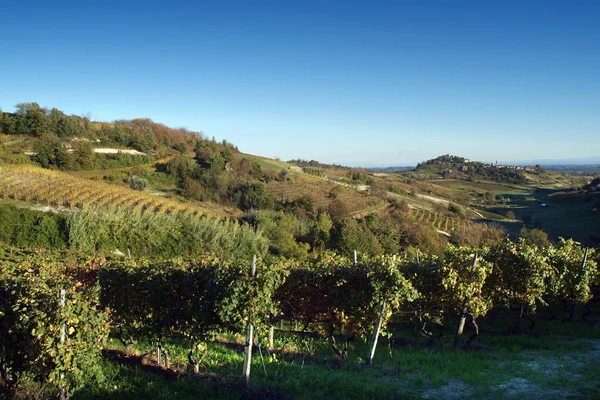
282, 176
137, 183
456, 209
535, 237
253, 195
193, 189
21, 227
335, 192
57, 343
337, 209
161, 235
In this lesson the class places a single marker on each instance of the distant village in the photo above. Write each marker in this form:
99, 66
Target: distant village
528, 168
456, 162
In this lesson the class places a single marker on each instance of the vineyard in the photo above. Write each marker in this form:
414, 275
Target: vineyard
177, 304
58, 189
439, 221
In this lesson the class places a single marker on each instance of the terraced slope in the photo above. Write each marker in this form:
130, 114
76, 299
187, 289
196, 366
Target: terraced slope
33, 184
439, 221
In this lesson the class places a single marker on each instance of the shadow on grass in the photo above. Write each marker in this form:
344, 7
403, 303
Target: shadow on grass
140, 377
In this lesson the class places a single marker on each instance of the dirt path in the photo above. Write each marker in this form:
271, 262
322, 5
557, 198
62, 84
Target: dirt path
535, 378
432, 199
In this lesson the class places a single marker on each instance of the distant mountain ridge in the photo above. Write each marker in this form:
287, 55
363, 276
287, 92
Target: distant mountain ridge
589, 161
565, 161
391, 169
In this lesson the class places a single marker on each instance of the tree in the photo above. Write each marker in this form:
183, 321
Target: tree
348, 235
83, 154
282, 229
208, 156
337, 209
535, 237
181, 167
253, 195
320, 231
8, 123
193, 189
51, 152
32, 119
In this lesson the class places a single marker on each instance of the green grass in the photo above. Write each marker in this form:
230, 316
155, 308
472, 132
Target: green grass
569, 214
562, 360
491, 215
498, 188
265, 163
128, 382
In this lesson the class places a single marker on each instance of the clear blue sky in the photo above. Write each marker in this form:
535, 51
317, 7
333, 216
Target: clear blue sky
357, 83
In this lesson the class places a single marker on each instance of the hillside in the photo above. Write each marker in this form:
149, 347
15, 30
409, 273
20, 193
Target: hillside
184, 172
175, 226
61, 191
448, 166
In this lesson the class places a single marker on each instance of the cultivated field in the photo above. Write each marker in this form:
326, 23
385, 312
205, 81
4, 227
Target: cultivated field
58, 189
439, 221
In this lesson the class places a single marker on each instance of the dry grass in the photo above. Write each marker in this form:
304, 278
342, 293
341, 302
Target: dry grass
319, 190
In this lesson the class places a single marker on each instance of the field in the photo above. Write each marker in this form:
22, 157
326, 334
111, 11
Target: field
503, 189
319, 190
62, 190
264, 162
566, 214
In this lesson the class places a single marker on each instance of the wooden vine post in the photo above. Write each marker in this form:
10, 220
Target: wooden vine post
463, 314
271, 331
249, 335
378, 326
574, 306
63, 337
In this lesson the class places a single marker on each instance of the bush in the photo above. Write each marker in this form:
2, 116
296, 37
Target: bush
348, 235
253, 195
137, 183
21, 227
282, 176
337, 209
32, 317
458, 210
335, 192
161, 235
535, 237
193, 189
283, 231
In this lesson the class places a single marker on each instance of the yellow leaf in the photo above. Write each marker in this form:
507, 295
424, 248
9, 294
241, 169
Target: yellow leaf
71, 330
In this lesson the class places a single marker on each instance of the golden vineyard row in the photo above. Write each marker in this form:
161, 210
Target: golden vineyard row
438, 221
59, 189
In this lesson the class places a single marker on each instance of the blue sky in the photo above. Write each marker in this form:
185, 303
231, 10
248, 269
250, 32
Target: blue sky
356, 83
